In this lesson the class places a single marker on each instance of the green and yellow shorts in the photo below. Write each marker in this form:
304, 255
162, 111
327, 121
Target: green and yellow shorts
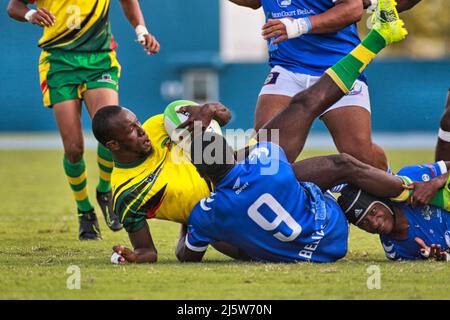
66, 75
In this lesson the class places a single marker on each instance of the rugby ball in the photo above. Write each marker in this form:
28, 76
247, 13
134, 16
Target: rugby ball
172, 119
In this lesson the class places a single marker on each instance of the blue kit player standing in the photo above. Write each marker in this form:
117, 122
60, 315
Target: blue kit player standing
305, 38
406, 232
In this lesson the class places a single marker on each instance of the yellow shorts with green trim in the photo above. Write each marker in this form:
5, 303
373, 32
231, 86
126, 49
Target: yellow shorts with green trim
66, 75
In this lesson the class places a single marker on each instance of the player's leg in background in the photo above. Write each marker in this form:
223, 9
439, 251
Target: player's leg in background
268, 106
96, 99
68, 118
443, 143
293, 123
278, 89
350, 128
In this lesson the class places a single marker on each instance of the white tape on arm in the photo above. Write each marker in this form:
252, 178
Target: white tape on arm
141, 31
444, 135
29, 14
296, 27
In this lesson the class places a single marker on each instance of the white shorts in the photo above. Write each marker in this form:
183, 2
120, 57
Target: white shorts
284, 82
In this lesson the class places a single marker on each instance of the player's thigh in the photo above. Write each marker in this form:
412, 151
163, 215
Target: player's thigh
102, 81
68, 118
95, 99
350, 127
278, 89
267, 107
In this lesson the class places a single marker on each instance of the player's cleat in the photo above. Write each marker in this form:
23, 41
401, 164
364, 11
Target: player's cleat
89, 228
386, 21
105, 202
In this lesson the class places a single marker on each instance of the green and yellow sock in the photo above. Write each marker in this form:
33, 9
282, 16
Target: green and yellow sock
442, 197
105, 165
347, 70
77, 177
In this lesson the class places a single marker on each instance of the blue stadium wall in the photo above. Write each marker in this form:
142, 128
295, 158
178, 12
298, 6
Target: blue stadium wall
407, 95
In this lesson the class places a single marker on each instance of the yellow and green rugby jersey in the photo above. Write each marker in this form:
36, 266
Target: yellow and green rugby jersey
156, 187
81, 25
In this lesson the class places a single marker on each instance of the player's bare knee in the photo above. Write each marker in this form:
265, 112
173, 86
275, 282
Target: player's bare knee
74, 153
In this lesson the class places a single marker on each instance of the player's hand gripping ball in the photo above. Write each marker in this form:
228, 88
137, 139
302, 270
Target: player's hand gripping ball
173, 119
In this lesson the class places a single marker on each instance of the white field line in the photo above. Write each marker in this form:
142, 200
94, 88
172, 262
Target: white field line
408, 140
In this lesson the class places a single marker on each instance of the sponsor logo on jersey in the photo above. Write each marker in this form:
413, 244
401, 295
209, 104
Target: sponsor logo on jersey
356, 90
245, 186
427, 212
237, 184
284, 3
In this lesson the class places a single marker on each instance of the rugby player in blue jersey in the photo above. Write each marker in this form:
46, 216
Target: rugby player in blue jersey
407, 232
305, 38
320, 32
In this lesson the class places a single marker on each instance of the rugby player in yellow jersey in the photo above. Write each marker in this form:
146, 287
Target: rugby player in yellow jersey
78, 63
147, 180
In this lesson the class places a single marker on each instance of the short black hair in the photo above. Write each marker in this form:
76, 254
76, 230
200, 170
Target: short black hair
101, 123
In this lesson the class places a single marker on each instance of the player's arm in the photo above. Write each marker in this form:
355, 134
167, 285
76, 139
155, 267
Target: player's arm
230, 251
144, 248
329, 171
134, 15
18, 10
342, 14
425, 192
204, 114
253, 4
183, 253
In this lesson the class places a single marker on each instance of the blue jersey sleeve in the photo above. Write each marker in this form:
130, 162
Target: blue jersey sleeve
196, 239
424, 172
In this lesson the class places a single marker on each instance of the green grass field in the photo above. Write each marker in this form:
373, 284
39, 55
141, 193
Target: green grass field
38, 232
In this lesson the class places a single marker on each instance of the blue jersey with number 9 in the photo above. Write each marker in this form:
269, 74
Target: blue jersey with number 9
261, 208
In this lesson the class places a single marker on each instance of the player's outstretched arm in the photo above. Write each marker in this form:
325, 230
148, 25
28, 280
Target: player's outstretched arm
144, 248
344, 13
134, 14
18, 10
329, 171
253, 4
183, 253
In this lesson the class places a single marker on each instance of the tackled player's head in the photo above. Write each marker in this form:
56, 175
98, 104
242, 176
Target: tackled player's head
211, 155
120, 131
367, 212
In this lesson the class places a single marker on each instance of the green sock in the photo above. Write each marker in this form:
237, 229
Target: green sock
347, 70
105, 165
77, 177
